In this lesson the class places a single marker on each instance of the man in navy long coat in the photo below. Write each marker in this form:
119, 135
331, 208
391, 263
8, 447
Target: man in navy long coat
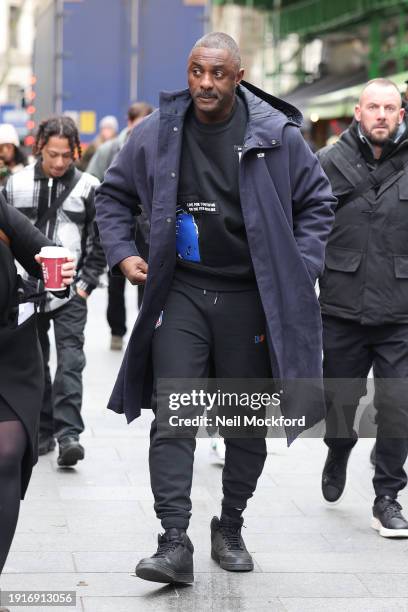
240, 212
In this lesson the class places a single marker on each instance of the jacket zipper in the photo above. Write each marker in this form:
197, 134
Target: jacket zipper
370, 218
50, 184
47, 227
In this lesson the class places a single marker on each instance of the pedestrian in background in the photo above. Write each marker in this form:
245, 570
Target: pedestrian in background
59, 200
108, 129
12, 157
103, 158
364, 296
21, 371
240, 211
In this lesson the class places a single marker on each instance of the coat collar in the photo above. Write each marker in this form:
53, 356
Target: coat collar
267, 115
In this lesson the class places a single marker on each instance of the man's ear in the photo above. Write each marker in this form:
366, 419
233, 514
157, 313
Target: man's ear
239, 76
357, 112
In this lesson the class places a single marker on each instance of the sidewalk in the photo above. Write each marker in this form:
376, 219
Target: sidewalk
85, 529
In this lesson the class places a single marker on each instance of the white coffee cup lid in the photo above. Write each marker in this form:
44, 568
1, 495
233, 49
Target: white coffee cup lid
54, 252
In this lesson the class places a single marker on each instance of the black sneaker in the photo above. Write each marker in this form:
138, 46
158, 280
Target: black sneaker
228, 547
387, 518
45, 445
334, 475
70, 452
173, 561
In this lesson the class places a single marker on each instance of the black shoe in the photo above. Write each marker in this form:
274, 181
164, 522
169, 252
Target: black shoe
70, 452
373, 455
45, 445
228, 547
387, 518
173, 561
334, 474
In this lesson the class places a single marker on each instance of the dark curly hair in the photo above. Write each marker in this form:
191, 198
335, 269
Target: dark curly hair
63, 127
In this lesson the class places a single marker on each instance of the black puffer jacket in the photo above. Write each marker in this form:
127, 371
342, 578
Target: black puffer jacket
366, 267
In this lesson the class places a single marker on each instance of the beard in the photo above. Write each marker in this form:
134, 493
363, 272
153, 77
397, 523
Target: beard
379, 141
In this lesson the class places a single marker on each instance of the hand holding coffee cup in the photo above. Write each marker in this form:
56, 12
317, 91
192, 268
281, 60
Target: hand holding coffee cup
58, 267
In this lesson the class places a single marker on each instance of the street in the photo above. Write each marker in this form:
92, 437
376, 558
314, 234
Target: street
84, 529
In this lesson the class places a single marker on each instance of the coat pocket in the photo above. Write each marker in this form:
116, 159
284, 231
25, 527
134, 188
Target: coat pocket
401, 266
403, 191
342, 260
340, 285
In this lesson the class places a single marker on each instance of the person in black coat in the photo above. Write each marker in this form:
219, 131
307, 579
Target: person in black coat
21, 370
364, 298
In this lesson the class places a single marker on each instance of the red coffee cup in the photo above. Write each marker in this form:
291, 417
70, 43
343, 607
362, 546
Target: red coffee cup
52, 259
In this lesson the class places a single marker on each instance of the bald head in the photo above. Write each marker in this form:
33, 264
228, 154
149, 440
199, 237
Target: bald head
376, 86
220, 40
379, 112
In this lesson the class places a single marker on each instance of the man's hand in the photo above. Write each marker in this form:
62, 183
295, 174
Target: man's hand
83, 294
67, 271
135, 269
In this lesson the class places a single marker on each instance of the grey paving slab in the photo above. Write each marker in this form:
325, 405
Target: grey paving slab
38, 523
251, 585
77, 608
31, 562
96, 524
386, 585
360, 604
101, 493
366, 539
350, 563
90, 584
165, 602
85, 542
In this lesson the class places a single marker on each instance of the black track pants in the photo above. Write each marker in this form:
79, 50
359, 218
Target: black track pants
199, 328
350, 350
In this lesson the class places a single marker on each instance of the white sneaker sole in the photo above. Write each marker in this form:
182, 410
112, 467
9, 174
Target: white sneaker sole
388, 533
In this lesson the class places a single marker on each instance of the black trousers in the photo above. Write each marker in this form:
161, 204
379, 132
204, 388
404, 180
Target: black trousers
116, 313
61, 410
350, 350
199, 328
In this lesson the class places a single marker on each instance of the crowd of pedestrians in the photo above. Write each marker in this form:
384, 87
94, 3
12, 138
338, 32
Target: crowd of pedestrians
216, 208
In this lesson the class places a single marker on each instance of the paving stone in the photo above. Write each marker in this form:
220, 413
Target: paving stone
84, 542
386, 585
38, 523
364, 538
360, 604
164, 602
101, 493
85, 584
350, 563
250, 585
30, 562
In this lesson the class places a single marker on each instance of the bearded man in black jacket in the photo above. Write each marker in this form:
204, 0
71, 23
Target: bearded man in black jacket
364, 296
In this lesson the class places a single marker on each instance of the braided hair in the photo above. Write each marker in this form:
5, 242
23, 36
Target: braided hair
63, 127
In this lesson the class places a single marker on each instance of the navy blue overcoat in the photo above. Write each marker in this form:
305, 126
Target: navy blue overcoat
288, 210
